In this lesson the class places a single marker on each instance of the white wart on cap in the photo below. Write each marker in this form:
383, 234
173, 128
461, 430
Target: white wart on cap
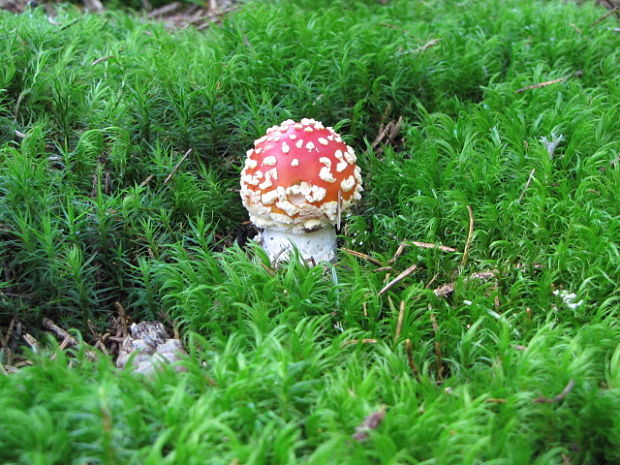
295, 176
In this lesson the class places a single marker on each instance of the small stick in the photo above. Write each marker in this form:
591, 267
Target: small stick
399, 324
58, 331
123, 318
349, 342
269, 271
495, 400
31, 341
439, 368
398, 252
398, 278
101, 60
604, 17
426, 245
527, 184
146, 181
365, 309
431, 281
361, 255
469, 235
339, 211
383, 268
548, 83
546, 400
176, 167
410, 359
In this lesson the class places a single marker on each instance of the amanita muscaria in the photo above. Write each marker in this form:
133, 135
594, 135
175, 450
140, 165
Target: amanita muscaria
297, 181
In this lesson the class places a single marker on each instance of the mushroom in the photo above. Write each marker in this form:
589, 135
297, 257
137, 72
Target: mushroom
297, 181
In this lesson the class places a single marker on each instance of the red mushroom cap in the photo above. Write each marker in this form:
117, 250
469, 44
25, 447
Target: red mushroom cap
296, 174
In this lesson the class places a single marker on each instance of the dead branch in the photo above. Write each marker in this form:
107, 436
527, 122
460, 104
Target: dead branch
469, 235
399, 323
411, 360
176, 167
398, 278
361, 255
546, 400
438, 359
548, 83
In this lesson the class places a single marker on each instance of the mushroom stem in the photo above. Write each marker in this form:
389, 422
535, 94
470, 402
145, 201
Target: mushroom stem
318, 246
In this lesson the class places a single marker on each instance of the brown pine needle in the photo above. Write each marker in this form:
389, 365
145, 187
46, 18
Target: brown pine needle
361, 255
399, 324
427, 245
547, 400
548, 83
176, 167
469, 235
410, 359
398, 279
349, 342
439, 367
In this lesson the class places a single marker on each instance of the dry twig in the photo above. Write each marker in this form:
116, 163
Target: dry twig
548, 83
410, 359
349, 342
361, 255
469, 235
398, 278
399, 323
438, 359
176, 167
548, 400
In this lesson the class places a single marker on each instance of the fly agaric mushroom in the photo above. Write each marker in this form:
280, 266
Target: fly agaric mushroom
297, 181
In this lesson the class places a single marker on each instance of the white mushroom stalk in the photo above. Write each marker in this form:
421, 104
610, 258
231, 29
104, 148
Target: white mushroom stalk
297, 181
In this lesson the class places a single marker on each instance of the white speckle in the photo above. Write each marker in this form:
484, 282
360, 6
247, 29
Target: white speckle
269, 147
323, 141
308, 129
276, 139
306, 121
310, 145
326, 175
272, 173
248, 179
288, 207
269, 197
249, 152
350, 157
340, 167
318, 193
285, 148
305, 188
270, 161
298, 126
261, 140
338, 138
294, 162
259, 175
299, 143
319, 125
325, 161
281, 192
292, 136
266, 184
250, 163
258, 150
330, 137
348, 184
288, 122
